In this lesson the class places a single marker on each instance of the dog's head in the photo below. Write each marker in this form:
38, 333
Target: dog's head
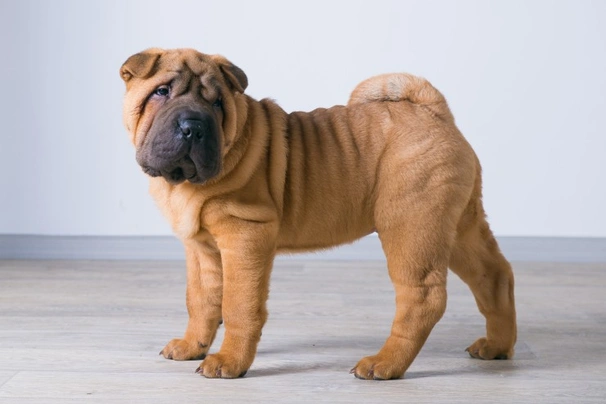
180, 109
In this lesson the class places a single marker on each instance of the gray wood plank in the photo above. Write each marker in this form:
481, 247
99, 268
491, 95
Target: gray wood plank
90, 331
157, 388
6, 376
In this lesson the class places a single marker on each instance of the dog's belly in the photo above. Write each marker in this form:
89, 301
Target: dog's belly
298, 244
323, 230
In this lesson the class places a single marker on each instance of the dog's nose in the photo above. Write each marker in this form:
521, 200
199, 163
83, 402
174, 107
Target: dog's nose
191, 128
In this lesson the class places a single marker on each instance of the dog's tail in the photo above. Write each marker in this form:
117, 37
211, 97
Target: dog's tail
402, 87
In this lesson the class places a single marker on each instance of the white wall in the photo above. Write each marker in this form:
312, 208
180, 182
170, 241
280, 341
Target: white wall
525, 79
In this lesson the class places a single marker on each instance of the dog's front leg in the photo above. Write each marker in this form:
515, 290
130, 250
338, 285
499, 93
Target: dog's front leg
203, 298
247, 261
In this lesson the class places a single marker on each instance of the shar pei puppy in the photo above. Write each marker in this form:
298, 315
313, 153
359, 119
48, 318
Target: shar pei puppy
241, 180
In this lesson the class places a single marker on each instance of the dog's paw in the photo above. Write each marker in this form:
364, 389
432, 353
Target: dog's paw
183, 350
221, 366
377, 368
485, 349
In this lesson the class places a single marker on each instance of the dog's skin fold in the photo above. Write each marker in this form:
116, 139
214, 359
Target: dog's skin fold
241, 180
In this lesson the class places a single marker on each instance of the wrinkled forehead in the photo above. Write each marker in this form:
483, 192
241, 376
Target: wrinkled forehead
186, 61
190, 66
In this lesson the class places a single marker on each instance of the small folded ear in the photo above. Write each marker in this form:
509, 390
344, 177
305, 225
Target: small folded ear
140, 65
236, 78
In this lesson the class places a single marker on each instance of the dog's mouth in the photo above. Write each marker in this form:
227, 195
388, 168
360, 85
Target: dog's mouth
184, 170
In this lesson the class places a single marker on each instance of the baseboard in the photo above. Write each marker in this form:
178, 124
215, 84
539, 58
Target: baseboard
549, 249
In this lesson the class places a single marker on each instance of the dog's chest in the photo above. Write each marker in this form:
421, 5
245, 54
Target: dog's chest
181, 205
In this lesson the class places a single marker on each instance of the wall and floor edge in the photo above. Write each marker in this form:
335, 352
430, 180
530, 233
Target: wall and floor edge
548, 249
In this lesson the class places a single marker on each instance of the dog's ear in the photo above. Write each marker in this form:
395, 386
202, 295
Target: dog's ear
140, 65
236, 78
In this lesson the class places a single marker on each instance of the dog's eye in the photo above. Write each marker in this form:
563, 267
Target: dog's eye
218, 103
162, 91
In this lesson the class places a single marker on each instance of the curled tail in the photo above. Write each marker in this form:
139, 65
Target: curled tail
402, 87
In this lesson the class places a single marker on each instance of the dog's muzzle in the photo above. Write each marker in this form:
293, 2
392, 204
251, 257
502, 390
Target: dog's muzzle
182, 148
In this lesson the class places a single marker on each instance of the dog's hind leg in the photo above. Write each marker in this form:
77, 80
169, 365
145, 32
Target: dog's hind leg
417, 236
477, 260
419, 280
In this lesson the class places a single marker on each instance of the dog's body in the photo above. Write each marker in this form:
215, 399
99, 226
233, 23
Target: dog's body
241, 179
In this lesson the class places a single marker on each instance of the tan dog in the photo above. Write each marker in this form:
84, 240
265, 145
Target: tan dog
241, 180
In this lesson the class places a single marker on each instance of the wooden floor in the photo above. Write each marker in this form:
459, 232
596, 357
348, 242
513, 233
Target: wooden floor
90, 331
